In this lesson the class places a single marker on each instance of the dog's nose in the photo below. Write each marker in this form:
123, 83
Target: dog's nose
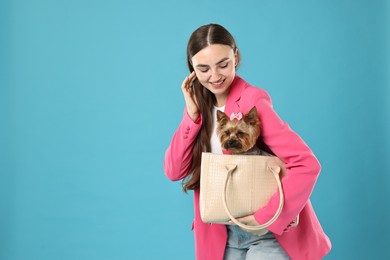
233, 144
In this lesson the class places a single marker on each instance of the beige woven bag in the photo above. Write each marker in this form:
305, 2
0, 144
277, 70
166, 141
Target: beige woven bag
233, 186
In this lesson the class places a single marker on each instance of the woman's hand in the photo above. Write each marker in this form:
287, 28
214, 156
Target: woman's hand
251, 221
189, 97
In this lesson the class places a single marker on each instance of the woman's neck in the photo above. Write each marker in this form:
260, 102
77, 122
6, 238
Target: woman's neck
220, 100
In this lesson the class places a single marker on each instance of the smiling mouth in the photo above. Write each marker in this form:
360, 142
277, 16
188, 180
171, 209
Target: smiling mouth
218, 83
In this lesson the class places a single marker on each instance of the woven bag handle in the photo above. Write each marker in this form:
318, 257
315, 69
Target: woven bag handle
275, 170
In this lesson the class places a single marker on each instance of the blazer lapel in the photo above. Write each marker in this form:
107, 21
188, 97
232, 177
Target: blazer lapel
232, 102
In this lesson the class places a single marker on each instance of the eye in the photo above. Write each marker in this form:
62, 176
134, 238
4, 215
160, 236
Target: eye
203, 68
239, 133
224, 66
227, 132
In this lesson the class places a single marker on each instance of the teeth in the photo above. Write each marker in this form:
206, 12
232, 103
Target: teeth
217, 83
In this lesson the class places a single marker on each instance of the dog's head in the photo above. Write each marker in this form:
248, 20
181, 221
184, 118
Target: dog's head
238, 133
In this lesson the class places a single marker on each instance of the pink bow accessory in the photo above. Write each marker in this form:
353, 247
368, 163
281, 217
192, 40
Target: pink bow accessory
237, 116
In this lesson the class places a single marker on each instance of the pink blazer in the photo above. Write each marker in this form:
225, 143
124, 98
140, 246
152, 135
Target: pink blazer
307, 241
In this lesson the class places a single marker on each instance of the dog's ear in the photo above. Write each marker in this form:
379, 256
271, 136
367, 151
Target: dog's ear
222, 118
251, 117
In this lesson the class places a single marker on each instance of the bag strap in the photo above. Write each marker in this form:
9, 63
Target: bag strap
275, 170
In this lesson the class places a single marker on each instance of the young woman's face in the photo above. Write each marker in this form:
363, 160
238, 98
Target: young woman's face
215, 69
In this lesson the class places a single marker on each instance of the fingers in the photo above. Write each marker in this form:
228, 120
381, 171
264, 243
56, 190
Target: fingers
248, 220
244, 220
251, 221
189, 97
192, 77
187, 83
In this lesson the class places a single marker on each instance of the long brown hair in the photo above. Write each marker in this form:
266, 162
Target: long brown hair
200, 39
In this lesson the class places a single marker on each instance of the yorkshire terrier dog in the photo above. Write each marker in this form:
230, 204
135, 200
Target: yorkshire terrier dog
239, 133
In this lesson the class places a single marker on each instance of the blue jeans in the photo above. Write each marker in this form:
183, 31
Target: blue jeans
246, 246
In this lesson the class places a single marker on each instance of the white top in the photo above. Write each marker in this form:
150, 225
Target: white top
214, 141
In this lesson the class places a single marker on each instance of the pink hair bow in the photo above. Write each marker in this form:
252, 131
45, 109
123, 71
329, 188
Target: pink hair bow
237, 116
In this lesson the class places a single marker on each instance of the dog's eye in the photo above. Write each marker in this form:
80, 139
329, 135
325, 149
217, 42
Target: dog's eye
227, 132
239, 133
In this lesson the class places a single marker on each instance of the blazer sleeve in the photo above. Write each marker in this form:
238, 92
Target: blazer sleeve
302, 166
178, 156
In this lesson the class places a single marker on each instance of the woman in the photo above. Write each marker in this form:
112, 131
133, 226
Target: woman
212, 57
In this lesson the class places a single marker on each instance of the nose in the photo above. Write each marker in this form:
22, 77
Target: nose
215, 75
233, 144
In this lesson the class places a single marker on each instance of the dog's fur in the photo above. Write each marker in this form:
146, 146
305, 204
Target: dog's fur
239, 136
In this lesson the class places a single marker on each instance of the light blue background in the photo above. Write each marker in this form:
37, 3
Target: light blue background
90, 97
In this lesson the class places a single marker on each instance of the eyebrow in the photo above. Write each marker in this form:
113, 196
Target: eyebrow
219, 62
